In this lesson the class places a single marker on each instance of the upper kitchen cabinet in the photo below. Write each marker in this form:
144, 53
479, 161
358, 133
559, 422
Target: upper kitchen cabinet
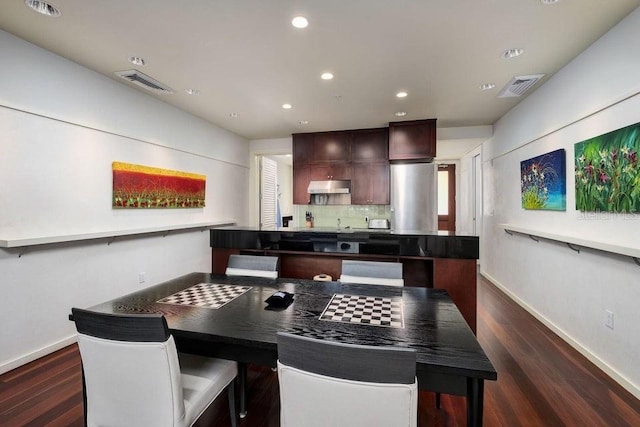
370, 145
302, 148
301, 178
370, 183
331, 147
330, 171
412, 140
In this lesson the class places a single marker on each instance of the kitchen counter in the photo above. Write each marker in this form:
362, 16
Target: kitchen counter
429, 259
408, 243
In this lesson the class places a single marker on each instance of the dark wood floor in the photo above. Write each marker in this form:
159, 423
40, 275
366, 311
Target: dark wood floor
541, 382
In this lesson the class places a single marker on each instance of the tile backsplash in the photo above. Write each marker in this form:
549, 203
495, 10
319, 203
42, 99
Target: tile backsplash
350, 215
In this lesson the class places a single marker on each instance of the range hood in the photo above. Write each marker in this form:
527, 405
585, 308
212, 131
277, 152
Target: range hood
329, 187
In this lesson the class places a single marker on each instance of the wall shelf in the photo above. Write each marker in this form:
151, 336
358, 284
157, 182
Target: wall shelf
573, 243
24, 243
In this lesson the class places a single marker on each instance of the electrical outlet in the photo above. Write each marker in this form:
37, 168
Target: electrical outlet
142, 277
609, 319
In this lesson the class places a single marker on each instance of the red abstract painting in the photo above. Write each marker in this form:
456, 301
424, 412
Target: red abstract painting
137, 186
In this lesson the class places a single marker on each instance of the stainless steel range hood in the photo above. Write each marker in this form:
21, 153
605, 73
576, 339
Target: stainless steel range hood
334, 192
329, 187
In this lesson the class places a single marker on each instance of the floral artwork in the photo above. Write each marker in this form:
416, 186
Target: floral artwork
608, 173
136, 186
543, 182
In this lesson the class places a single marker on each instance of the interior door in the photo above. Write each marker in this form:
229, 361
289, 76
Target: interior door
447, 197
269, 215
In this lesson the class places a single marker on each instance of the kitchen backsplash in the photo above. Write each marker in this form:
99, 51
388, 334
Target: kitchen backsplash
350, 215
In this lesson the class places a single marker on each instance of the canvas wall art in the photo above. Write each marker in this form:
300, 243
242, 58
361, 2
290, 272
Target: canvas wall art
543, 182
608, 173
137, 186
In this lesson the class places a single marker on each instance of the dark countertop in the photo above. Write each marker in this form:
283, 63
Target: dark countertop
401, 243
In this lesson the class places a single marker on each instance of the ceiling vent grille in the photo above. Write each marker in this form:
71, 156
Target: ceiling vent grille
519, 85
141, 79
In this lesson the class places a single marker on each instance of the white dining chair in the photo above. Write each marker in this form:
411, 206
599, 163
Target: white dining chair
134, 376
325, 383
372, 272
252, 265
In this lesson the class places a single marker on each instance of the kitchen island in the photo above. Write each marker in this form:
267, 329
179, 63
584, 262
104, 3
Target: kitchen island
440, 260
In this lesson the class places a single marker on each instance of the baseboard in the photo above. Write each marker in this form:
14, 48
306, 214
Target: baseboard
607, 369
30, 357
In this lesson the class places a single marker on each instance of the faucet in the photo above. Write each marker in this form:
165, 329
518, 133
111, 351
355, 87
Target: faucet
338, 223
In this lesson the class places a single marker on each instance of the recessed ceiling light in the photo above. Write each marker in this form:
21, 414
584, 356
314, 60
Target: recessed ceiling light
192, 91
233, 115
304, 122
43, 7
549, 1
326, 76
512, 53
487, 86
402, 94
287, 106
401, 113
136, 60
299, 22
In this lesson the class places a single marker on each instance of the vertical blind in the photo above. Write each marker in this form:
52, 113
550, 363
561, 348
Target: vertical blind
268, 192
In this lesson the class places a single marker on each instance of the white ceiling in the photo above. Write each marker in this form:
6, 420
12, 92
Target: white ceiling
245, 57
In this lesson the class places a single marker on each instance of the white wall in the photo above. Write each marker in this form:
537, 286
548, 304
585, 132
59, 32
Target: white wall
596, 93
62, 126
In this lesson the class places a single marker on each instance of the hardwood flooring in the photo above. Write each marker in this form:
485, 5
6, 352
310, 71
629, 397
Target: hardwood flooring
541, 382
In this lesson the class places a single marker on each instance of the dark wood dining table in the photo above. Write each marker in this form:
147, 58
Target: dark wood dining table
449, 357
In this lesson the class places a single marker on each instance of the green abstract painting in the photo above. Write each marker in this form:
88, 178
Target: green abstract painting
608, 172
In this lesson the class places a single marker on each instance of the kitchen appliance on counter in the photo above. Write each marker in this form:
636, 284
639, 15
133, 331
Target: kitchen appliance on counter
414, 196
332, 192
379, 224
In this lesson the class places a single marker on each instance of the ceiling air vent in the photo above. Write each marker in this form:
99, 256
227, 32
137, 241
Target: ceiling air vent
141, 79
519, 85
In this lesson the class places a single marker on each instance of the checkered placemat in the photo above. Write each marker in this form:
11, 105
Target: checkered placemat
207, 295
377, 311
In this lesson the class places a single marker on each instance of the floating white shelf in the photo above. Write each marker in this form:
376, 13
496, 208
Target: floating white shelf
34, 241
574, 243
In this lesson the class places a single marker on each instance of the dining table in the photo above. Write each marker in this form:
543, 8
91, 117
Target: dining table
227, 317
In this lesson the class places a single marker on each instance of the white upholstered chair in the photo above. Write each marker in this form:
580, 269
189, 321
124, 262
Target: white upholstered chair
252, 265
133, 375
324, 383
372, 272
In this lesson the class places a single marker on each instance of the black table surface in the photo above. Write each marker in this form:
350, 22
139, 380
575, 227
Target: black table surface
445, 345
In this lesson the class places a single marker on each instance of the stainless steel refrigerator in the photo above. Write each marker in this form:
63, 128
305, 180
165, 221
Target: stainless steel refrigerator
414, 197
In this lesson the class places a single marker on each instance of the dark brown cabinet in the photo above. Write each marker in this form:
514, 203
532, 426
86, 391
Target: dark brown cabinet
331, 147
330, 171
357, 155
412, 140
370, 184
302, 148
370, 145
301, 178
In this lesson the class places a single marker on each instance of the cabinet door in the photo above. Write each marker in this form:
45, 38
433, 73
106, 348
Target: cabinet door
331, 147
370, 184
301, 178
413, 140
330, 171
302, 148
360, 188
370, 145
379, 182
